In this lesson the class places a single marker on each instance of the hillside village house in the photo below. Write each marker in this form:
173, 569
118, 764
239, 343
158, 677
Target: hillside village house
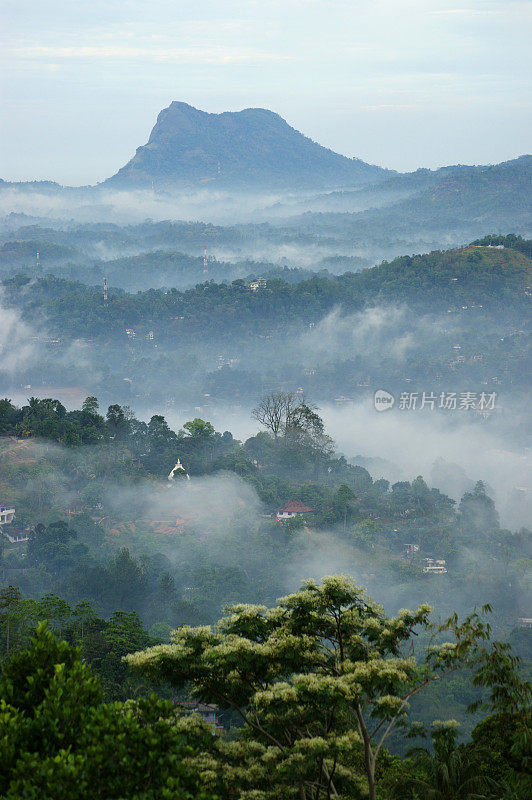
6, 515
207, 711
294, 508
257, 284
434, 566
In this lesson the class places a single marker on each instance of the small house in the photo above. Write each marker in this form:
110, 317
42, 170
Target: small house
6, 515
294, 508
434, 566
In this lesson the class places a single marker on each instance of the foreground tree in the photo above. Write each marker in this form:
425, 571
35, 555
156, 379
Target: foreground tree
505, 736
59, 742
319, 681
447, 771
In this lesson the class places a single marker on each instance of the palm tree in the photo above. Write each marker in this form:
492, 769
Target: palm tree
448, 772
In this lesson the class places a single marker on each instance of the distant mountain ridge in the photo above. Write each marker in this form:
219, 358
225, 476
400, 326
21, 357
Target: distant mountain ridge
467, 201
252, 148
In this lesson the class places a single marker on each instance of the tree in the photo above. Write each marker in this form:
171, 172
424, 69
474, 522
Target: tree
124, 633
506, 733
316, 680
90, 406
304, 419
8, 416
82, 615
10, 604
52, 546
273, 411
477, 511
91, 424
198, 429
54, 609
197, 441
160, 437
342, 507
118, 423
58, 742
447, 772
128, 582
284, 412
200, 435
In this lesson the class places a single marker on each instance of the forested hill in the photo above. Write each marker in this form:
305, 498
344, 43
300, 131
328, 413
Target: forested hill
462, 201
477, 276
250, 148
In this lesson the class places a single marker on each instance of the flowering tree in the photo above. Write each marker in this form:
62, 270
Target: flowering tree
319, 680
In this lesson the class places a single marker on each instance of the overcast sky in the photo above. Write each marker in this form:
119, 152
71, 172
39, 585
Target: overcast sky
401, 83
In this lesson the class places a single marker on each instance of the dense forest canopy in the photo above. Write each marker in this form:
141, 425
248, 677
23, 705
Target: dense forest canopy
310, 692
490, 278
149, 507
126, 530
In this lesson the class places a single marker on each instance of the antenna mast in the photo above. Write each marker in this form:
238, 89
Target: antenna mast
38, 260
205, 266
105, 292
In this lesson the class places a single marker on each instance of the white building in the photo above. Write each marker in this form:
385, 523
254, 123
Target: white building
6, 515
258, 284
294, 508
178, 471
434, 566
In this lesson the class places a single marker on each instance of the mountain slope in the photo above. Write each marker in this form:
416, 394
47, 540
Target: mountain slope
459, 202
476, 279
253, 148
474, 186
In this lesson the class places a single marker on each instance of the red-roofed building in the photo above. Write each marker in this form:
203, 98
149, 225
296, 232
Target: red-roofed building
292, 509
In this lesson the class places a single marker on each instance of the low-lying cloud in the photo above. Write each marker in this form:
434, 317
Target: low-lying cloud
410, 443
17, 346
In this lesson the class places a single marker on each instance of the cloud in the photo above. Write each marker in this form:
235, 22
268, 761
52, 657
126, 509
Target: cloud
198, 54
378, 330
411, 442
463, 12
17, 346
391, 107
209, 504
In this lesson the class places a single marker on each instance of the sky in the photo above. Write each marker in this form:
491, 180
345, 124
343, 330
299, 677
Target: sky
400, 83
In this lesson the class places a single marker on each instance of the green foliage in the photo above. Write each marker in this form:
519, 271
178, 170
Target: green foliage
52, 546
447, 772
433, 282
506, 734
109, 554
102, 643
316, 680
477, 512
319, 682
57, 741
